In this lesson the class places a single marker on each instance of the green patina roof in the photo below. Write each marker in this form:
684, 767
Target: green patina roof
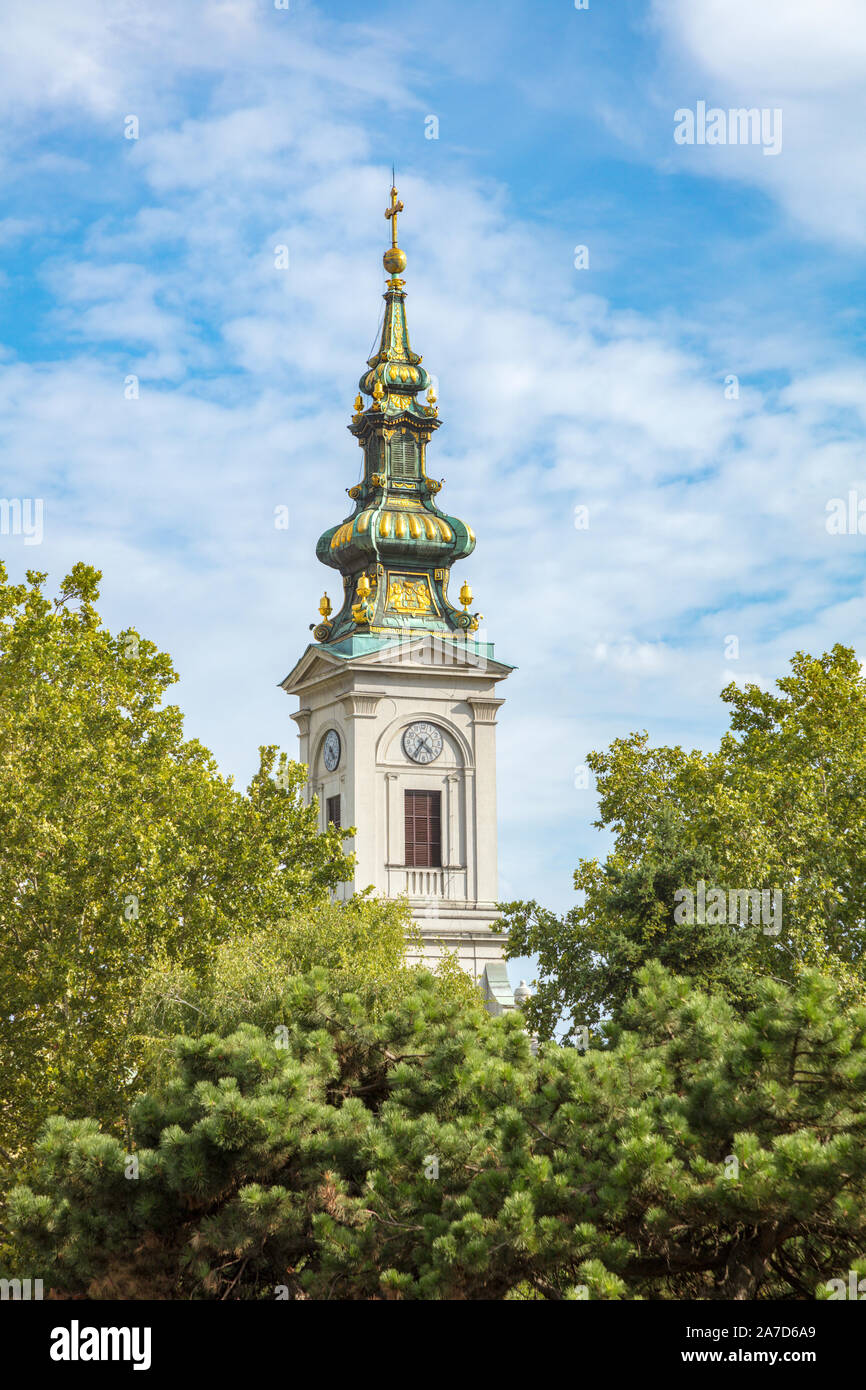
361, 644
395, 549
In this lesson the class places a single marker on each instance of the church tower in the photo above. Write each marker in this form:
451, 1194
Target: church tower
398, 696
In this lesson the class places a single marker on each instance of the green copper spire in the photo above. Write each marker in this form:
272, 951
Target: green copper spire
396, 549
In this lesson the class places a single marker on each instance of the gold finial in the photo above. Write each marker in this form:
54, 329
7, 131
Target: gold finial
378, 393
431, 397
360, 611
325, 607
394, 260
466, 595
359, 404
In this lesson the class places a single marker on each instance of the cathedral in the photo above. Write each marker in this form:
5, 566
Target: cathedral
398, 696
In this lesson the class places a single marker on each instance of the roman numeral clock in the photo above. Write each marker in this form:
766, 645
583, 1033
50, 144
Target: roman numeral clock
397, 693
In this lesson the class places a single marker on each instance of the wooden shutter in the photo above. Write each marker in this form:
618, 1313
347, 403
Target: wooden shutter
332, 811
404, 456
423, 829
373, 455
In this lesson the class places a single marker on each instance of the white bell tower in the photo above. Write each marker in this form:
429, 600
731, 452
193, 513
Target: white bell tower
398, 695
400, 742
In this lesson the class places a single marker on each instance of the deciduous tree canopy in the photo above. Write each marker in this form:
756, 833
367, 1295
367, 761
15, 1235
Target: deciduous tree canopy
781, 806
120, 840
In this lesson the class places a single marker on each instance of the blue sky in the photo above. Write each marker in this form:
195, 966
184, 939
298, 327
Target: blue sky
559, 387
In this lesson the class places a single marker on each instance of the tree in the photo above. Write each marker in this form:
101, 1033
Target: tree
423, 1152
779, 808
120, 839
366, 945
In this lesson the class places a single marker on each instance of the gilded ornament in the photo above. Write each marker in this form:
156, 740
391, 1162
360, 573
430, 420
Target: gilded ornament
409, 596
362, 611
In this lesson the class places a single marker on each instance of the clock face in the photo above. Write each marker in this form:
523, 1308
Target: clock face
422, 743
331, 749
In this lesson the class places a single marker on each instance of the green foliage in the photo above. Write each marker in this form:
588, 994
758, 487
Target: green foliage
780, 806
364, 944
421, 1151
119, 840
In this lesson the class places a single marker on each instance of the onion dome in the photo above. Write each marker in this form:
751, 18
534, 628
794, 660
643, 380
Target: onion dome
396, 549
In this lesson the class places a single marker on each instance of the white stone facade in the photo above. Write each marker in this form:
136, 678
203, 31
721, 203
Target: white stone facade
370, 698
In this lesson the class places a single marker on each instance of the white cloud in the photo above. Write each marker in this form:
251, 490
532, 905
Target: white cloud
633, 658
807, 60
787, 46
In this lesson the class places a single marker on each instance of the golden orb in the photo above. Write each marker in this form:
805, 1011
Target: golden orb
394, 260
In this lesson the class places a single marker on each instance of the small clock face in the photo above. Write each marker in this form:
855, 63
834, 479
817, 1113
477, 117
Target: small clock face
331, 749
422, 743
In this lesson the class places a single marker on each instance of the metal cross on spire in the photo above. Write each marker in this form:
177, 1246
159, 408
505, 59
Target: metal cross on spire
391, 212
